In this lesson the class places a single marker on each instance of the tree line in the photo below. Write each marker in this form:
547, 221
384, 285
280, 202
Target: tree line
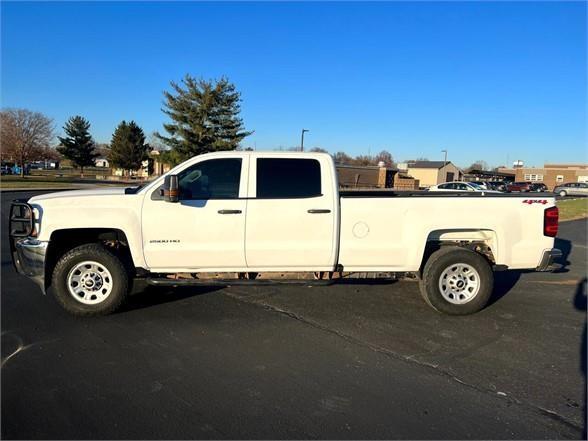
26, 136
204, 116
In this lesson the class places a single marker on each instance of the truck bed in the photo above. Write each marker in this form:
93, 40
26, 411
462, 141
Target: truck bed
424, 193
388, 230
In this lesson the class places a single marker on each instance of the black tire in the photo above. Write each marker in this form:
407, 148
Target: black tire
441, 260
96, 253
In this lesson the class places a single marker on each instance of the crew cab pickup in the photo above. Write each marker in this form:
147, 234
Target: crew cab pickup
266, 217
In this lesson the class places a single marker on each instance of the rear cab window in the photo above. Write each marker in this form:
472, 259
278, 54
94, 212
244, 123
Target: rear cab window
288, 178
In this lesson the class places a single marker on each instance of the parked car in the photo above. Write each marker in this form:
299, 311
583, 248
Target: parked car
538, 187
6, 170
572, 189
460, 186
492, 185
496, 185
241, 213
481, 184
36, 166
519, 186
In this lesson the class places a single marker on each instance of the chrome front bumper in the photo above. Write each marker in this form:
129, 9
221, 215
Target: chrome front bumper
548, 260
28, 256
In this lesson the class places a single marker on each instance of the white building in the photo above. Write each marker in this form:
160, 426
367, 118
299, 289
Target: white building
102, 162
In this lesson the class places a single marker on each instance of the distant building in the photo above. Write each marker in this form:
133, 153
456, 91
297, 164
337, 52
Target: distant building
159, 167
365, 177
101, 162
488, 175
553, 174
433, 172
143, 172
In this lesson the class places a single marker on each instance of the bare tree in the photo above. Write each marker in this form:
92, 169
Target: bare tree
364, 160
342, 158
478, 165
25, 135
156, 144
386, 157
102, 149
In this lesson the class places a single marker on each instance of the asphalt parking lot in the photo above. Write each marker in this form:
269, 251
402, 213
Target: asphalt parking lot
353, 361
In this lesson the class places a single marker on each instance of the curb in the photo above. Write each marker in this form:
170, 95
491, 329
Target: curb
574, 219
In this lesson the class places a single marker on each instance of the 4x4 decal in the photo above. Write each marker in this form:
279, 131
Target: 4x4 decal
535, 201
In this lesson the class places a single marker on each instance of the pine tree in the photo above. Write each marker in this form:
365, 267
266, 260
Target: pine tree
128, 148
204, 117
78, 145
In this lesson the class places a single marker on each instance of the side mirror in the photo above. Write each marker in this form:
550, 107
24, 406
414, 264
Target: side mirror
171, 192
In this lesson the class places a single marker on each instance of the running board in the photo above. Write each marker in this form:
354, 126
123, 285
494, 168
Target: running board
263, 282
230, 282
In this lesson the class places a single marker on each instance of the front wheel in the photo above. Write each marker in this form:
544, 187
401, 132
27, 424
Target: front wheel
563, 193
457, 281
89, 280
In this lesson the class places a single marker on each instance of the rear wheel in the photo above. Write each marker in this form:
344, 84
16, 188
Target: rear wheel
563, 193
457, 281
89, 280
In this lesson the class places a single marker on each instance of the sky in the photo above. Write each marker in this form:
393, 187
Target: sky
495, 81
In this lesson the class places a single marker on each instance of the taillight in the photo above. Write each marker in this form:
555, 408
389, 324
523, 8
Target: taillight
550, 221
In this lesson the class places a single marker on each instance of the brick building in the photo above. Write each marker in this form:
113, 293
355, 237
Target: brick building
355, 176
553, 174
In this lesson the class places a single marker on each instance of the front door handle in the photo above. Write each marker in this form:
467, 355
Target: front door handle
318, 211
229, 211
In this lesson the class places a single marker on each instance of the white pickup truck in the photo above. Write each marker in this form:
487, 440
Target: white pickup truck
242, 214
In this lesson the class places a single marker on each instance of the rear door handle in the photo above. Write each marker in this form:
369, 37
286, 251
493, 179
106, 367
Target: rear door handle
229, 211
318, 211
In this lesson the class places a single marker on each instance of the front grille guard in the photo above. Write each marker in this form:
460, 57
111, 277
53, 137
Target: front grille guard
21, 222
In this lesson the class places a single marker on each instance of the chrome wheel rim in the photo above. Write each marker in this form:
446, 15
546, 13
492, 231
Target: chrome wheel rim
89, 282
459, 283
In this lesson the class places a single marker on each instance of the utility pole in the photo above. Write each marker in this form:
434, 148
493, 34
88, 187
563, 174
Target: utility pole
302, 139
445, 160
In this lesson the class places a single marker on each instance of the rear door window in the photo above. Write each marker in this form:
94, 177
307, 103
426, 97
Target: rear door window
281, 178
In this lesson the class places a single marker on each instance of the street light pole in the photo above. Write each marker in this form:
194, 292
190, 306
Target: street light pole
302, 139
445, 161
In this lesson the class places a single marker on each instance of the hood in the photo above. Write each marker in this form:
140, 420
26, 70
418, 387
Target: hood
79, 193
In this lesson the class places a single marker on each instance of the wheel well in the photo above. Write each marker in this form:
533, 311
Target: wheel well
61, 241
480, 241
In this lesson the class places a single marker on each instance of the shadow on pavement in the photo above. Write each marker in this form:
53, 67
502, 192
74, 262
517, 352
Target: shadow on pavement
580, 302
566, 248
153, 296
504, 281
